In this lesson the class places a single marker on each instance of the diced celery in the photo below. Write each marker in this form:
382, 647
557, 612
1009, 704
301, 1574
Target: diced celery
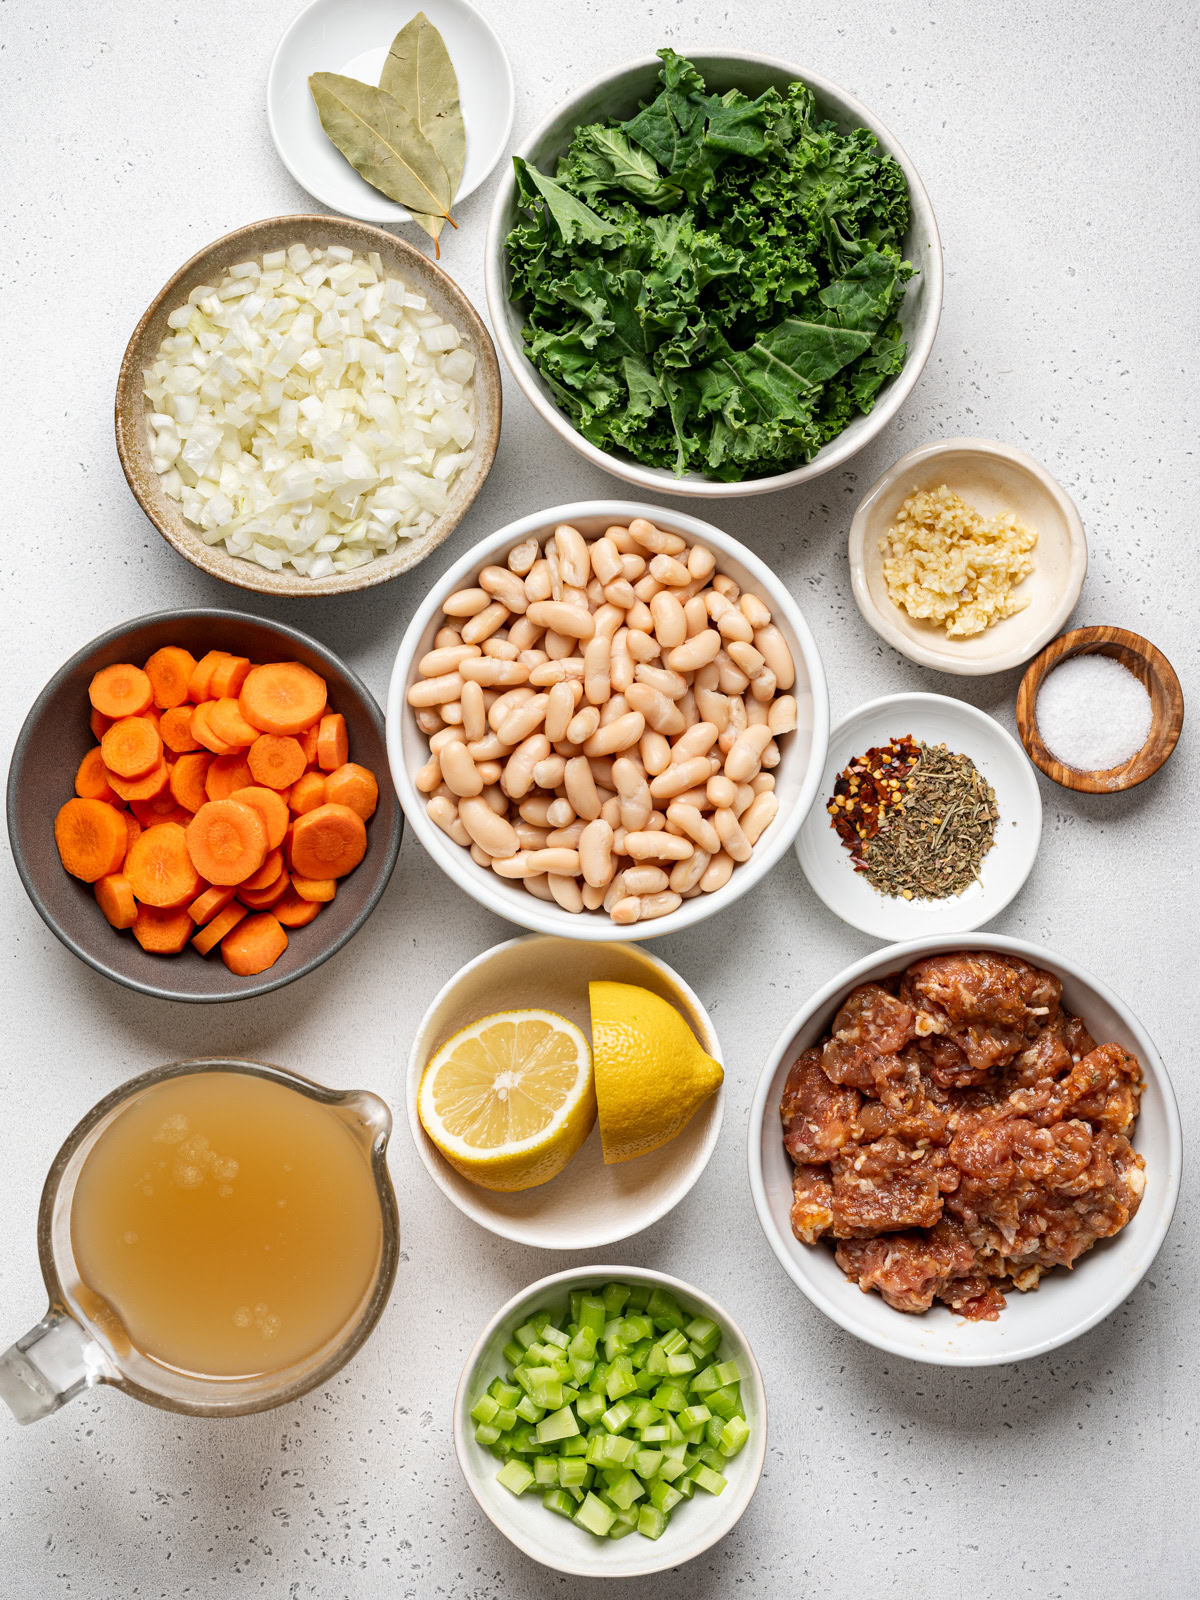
636, 1328
665, 1309
576, 1298
522, 1439
592, 1314
677, 1365
638, 1297
503, 1393
573, 1473
685, 1486
621, 1529
727, 1372
694, 1436
646, 1381
557, 1500
704, 1383
582, 1368
557, 1425
672, 1342
674, 1431
513, 1353
646, 1462
656, 1433
615, 1418
670, 1470
693, 1416
725, 1402
643, 1414
620, 1380
651, 1522
526, 1335
706, 1478
570, 1394
620, 1447
548, 1396
576, 1445
528, 1411
484, 1409
545, 1471
711, 1458
704, 1331
487, 1433
733, 1436
515, 1476
554, 1337
595, 1516
662, 1496
712, 1433
670, 1397
590, 1407
614, 1297
625, 1489
656, 1361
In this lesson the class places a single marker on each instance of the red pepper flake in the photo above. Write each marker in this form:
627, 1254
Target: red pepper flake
867, 789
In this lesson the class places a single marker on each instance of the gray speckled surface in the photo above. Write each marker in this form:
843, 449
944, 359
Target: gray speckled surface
1052, 141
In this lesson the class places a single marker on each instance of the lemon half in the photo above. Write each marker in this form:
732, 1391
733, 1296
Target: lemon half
509, 1100
651, 1074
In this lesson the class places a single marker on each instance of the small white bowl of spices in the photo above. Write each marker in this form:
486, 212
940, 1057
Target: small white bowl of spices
967, 556
927, 821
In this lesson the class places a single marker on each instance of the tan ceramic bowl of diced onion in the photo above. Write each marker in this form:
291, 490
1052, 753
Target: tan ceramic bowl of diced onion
993, 478
802, 751
427, 282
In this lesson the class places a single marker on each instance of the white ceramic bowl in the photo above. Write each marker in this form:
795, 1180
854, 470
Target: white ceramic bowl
933, 719
352, 37
992, 477
1067, 1303
618, 93
796, 777
695, 1525
588, 1204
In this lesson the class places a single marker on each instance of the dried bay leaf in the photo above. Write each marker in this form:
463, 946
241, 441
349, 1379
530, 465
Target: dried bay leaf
420, 76
382, 143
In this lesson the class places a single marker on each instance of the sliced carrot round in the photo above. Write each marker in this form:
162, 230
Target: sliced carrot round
121, 690
353, 786
133, 828
328, 842
98, 723
228, 677
143, 788
227, 774
204, 733
131, 747
161, 809
276, 760
187, 779
282, 697
224, 922
264, 899
254, 945
333, 743
268, 874
159, 868
91, 779
91, 839
175, 730
270, 808
162, 930
115, 899
227, 722
308, 743
318, 890
170, 670
227, 841
307, 793
201, 678
206, 906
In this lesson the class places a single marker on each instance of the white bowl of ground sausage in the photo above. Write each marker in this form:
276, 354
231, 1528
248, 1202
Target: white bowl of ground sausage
1066, 1304
802, 752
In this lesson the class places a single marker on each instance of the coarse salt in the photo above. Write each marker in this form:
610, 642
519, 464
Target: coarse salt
1093, 713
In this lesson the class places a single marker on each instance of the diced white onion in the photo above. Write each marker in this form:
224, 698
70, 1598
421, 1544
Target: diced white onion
308, 411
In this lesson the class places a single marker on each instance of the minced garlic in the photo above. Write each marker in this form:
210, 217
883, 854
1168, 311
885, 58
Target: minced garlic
944, 562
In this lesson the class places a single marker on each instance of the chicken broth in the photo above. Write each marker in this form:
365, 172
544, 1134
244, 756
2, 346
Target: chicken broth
229, 1225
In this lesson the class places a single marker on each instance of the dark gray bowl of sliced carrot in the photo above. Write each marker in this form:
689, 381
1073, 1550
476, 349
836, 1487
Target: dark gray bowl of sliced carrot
193, 805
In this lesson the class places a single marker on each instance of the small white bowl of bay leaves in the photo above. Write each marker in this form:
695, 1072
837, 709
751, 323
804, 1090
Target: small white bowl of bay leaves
352, 38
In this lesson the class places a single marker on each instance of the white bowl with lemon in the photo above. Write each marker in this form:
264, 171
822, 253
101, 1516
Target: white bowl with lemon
502, 1097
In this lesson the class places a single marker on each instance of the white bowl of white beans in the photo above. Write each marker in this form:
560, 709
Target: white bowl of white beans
607, 720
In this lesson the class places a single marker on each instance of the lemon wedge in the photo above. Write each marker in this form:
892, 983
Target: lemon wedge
509, 1100
651, 1075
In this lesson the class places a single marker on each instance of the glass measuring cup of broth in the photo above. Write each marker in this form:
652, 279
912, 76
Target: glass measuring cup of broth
217, 1237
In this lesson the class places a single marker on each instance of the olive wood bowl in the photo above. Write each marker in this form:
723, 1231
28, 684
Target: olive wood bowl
401, 259
1148, 665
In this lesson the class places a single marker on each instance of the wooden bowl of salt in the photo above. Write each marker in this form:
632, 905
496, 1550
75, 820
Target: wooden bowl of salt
1099, 732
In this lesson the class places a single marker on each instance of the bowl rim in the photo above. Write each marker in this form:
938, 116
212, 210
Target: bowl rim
402, 214
993, 730
944, 660
831, 455
28, 877
558, 1281
539, 917
132, 451
840, 1311
435, 1165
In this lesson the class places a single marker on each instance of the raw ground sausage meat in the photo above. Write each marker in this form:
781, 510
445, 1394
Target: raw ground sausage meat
958, 1132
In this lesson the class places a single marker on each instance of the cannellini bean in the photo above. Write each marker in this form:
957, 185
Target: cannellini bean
489, 771
645, 880
745, 656
697, 798
559, 671
606, 560
435, 691
688, 820
569, 836
558, 645
560, 708
745, 794
679, 776
754, 611
670, 624
466, 603
539, 583
670, 573
658, 845
726, 585
745, 758
429, 776
560, 813
490, 673
534, 809
770, 756
694, 615
773, 648
640, 618
504, 703
524, 635
518, 769
643, 647
566, 891
505, 587
435, 663
538, 885
733, 840
657, 905
733, 627
480, 856
459, 771
548, 774
597, 684
695, 652
593, 898
582, 725
446, 638
686, 875
763, 686
595, 853
522, 556
759, 815
474, 711
555, 859
428, 721
731, 679
735, 726
633, 792
633, 566
655, 540
581, 788
625, 912
485, 623
672, 684
721, 791
698, 740
619, 593
756, 710
496, 799
608, 620
781, 716
701, 562
654, 752
520, 722
442, 811
452, 714
601, 768
515, 866
443, 737
661, 714
574, 622
573, 560
489, 748
764, 783
619, 734
717, 873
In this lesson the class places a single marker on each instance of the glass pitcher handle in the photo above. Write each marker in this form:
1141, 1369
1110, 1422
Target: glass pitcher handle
49, 1366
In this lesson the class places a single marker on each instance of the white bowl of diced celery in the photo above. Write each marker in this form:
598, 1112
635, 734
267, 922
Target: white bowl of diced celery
611, 1422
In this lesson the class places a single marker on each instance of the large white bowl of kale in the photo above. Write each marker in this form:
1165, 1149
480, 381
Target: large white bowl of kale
714, 276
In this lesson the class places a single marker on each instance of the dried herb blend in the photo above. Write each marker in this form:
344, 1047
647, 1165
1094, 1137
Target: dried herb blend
918, 819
